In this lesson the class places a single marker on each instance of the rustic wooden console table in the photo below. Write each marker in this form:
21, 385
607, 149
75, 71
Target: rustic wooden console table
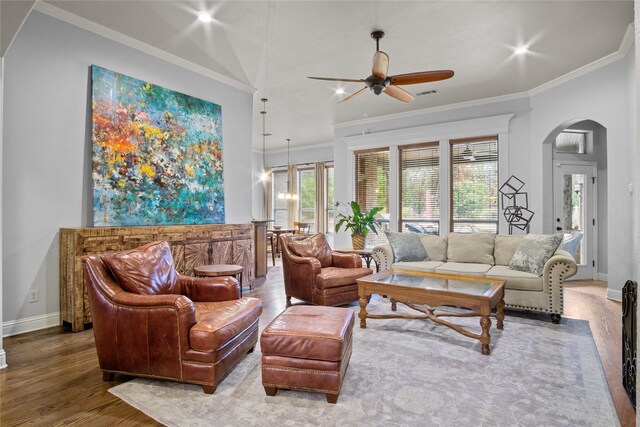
191, 246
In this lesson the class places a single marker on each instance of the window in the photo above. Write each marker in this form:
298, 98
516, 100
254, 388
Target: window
419, 204
280, 214
330, 200
307, 195
474, 185
572, 142
371, 186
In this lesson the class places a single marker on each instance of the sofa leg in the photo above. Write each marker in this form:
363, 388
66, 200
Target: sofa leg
209, 389
251, 349
271, 391
332, 398
555, 318
108, 376
288, 301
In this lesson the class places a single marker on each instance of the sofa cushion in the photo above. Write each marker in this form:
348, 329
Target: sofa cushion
435, 246
406, 247
332, 277
505, 247
517, 280
474, 247
463, 268
147, 270
534, 251
315, 246
219, 322
424, 266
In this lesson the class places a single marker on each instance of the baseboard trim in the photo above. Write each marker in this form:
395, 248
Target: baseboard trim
614, 294
3, 359
602, 276
29, 324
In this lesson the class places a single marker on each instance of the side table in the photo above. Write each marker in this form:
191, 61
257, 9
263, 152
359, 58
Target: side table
364, 253
217, 270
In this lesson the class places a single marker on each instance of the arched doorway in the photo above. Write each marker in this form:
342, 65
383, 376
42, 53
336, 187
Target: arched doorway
575, 188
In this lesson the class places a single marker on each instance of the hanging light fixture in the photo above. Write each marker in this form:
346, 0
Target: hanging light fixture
289, 195
265, 175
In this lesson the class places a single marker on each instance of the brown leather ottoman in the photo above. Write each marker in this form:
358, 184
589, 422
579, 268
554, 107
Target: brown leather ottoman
307, 348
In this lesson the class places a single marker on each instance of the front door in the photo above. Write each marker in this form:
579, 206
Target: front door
575, 210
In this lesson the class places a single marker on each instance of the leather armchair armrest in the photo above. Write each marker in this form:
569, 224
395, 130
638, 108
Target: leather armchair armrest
307, 262
346, 260
210, 289
183, 306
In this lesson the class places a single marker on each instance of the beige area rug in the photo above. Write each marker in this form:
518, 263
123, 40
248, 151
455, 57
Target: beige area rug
414, 373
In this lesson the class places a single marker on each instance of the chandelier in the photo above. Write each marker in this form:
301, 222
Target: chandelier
289, 195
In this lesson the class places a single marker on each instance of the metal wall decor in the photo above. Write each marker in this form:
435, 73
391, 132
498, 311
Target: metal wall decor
629, 304
515, 204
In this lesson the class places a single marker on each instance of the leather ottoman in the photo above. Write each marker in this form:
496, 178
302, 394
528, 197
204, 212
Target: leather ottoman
307, 348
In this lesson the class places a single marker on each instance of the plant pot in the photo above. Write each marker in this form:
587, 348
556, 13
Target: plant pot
357, 241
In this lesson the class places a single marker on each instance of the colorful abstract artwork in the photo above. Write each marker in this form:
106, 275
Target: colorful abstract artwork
157, 154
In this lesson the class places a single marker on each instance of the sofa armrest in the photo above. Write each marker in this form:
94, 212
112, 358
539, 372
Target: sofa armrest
345, 260
558, 268
308, 262
383, 256
210, 289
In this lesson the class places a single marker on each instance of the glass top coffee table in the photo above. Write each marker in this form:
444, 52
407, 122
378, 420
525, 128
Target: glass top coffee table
427, 293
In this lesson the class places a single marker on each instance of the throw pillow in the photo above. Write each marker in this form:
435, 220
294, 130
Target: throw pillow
506, 246
534, 251
147, 270
435, 246
471, 247
406, 247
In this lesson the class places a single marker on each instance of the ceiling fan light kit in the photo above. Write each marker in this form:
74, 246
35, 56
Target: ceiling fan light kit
379, 82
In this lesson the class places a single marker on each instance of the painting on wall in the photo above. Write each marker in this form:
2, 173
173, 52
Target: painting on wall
157, 154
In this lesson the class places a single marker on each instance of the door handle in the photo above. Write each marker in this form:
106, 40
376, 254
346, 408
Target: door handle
559, 228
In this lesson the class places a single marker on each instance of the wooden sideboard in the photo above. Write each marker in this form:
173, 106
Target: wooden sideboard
191, 246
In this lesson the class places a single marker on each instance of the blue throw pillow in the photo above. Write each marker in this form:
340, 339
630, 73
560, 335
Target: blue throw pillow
406, 247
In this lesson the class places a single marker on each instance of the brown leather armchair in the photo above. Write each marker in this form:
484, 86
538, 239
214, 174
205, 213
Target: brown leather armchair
313, 273
148, 321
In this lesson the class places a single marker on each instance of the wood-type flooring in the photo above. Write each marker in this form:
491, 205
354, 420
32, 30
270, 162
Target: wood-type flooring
53, 376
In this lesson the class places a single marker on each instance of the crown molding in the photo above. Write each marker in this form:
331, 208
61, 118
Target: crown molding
625, 45
300, 148
6, 49
85, 24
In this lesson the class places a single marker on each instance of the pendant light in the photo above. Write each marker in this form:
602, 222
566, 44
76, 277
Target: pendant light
265, 175
289, 195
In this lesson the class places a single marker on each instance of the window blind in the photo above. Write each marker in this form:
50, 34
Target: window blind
371, 187
419, 195
280, 213
307, 195
474, 184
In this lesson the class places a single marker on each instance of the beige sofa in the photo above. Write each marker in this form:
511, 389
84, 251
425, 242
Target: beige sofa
480, 254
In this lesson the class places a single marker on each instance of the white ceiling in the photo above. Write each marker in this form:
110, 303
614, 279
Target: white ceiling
273, 46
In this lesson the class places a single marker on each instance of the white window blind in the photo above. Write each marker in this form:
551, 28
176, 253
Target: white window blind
419, 195
371, 187
474, 184
280, 213
307, 195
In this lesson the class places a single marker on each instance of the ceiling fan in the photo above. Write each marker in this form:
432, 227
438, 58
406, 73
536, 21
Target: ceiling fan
379, 81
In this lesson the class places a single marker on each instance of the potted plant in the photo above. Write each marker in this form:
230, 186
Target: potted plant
359, 223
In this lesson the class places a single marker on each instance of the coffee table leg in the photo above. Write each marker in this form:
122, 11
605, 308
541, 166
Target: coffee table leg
394, 306
363, 311
500, 314
485, 338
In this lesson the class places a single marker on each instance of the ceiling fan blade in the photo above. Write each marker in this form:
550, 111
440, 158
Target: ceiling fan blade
380, 65
353, 95
399, 93
331, 79
421, 77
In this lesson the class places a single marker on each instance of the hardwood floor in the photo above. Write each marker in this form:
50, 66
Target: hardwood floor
53, 376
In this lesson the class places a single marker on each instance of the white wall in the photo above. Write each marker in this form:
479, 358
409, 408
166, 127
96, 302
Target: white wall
601, 95
3, 355
47, 149
257, 204
311, 154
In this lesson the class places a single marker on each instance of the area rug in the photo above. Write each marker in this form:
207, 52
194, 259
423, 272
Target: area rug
412, 372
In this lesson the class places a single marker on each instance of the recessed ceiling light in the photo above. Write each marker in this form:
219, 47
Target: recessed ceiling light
205, 17
339, 91
521, 50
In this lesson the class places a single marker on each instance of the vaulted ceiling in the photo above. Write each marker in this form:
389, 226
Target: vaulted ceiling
273, 46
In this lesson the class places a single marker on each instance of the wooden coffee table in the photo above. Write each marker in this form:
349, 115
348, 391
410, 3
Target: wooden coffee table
432, 291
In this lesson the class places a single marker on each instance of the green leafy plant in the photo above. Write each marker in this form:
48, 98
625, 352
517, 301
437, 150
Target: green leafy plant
359, 222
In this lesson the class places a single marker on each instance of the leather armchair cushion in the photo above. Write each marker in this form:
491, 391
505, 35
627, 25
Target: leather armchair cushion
315, 246
219, 322
332, 277
309, 332
147, 270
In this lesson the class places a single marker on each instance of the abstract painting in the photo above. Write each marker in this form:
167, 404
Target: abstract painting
157, 154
